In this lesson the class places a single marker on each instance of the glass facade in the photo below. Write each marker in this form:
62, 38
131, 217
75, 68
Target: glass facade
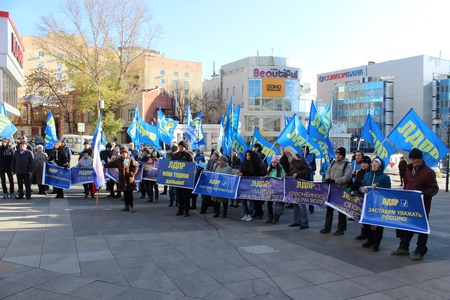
9, 90
258, 103
352, 103
443, 101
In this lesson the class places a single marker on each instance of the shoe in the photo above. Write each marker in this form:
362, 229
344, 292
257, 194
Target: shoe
202, 212
186, 215
351, 219
236, 206
19, 197
244, 218
178, 213
117, 196
337, 233
57, 196
289, 206
367, 244
294, 225
400, 251
163, 193
401, 185
125, 209
249, 218
325, 230
12, 195
360, 237
224, 216
275, 222
131, 210
92, 196
375, 248
311, 212
193, 207
416, 256
156, 200
231, 205
171, 204
216, 215
304, 227
150, 200
85, 196
5, 195
28, 197
109, 196
141, 197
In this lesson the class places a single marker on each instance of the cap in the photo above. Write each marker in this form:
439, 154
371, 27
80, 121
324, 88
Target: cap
276, 159
108, 145
341, 150
366, 160
86, 143
182, 143
377, 160
23, 142
416, 153
224, 158
40, 147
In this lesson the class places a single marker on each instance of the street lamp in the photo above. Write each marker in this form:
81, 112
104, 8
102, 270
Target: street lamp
438, 121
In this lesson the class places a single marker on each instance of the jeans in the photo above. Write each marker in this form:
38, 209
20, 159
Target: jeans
249, 207
301, 214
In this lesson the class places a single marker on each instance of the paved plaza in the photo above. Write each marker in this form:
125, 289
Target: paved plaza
68, 249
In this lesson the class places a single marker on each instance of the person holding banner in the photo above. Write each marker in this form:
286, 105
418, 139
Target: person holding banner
340, 174
212, 162
221, 167
86, 162
276, 171
183, 194
154, 156
418, 177
298, 168
58, 157
22, 166
128, 168
250, 167
145, 184
375, 178
40, 158
311, 159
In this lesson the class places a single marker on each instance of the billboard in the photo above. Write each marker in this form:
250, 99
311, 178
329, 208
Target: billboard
273, 88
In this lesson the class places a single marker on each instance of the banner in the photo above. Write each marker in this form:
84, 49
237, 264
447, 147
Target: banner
217, 184
112, 173
149, 170
261, 188
397, 209
80, 176
305, 192
268, 149
343, 202
56, 176
138, 176
176, 173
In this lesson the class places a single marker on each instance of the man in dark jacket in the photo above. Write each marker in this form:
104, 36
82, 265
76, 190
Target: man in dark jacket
183, 194
418, 177
402, 169
22, 166
6, 156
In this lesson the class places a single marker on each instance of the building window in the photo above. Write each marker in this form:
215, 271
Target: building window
69, 85
175, 82
175, 74
186, 83
59, 75
58, 55
162, 81
186, 92
175, 92
59, 66
162, 72
41, 74
41, 64
130, 115
41, 54
186, 75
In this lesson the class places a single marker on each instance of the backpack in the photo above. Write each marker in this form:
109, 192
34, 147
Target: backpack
343, 171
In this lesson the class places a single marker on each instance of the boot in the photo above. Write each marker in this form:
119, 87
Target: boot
225, 210
362, 235
216, 209
194, 203
369, 234
276, 219
269, 219
377, 236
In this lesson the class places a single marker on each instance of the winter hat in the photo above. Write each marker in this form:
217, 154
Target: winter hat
276, 159
416, 153
224, 158
377, 160
341, 150
182, 143
366, 160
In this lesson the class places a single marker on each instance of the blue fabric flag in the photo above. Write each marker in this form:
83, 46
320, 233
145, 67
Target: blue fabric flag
188, 115
268, 149
7, 128
50, 131
412, 132
373, 135
227, 124
318, 134
141, 132
166, 128
194, 132
239, 145
327, 117
286, 119
99, 176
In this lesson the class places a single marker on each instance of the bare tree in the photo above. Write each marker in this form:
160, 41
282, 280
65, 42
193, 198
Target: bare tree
213, 107
100, 41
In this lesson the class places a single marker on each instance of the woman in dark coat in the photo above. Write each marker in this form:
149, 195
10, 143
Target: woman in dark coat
128, 168
58, 157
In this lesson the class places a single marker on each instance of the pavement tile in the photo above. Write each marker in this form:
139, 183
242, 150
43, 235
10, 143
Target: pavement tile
64, 284
33, 277
100, 290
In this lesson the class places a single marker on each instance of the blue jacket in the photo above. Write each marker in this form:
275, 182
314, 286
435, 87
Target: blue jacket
379, 177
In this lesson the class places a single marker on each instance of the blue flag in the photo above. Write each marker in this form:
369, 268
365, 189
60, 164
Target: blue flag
7, 128
188, 115
319, 135
141, 132
268, 149
166, 128
286, 119
412, 132
99, 176
373, 135
327, 117
194, 132
50, 131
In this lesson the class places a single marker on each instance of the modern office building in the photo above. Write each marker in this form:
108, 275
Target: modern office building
266, 87
11, 63
388, 90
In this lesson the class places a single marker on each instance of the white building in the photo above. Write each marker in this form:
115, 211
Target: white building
11, 63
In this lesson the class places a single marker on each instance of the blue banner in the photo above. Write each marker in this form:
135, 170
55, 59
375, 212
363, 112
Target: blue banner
345, 203
112, 173
318, 134
398, 209
166, 128
261, 188
176, 173
326, 116
56, 176
141, 132
217, 185
194, 132
149, 170
305, 192
80, 176
50, 131
412, 132
138, 176
268, 149
373, 135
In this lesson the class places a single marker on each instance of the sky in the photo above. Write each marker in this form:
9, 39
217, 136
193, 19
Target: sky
321, 36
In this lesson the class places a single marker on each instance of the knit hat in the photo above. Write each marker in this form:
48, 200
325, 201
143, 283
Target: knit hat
366, 160
416, 153
123, 150
377, 160
182, 143
341, 150
224, 158
276, 159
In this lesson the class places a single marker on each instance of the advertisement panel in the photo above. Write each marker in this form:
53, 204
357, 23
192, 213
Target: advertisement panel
273, 88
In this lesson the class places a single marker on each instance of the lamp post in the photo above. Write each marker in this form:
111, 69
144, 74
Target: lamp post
437, 121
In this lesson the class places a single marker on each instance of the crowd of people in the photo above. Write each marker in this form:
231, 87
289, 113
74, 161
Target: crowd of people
26, 164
